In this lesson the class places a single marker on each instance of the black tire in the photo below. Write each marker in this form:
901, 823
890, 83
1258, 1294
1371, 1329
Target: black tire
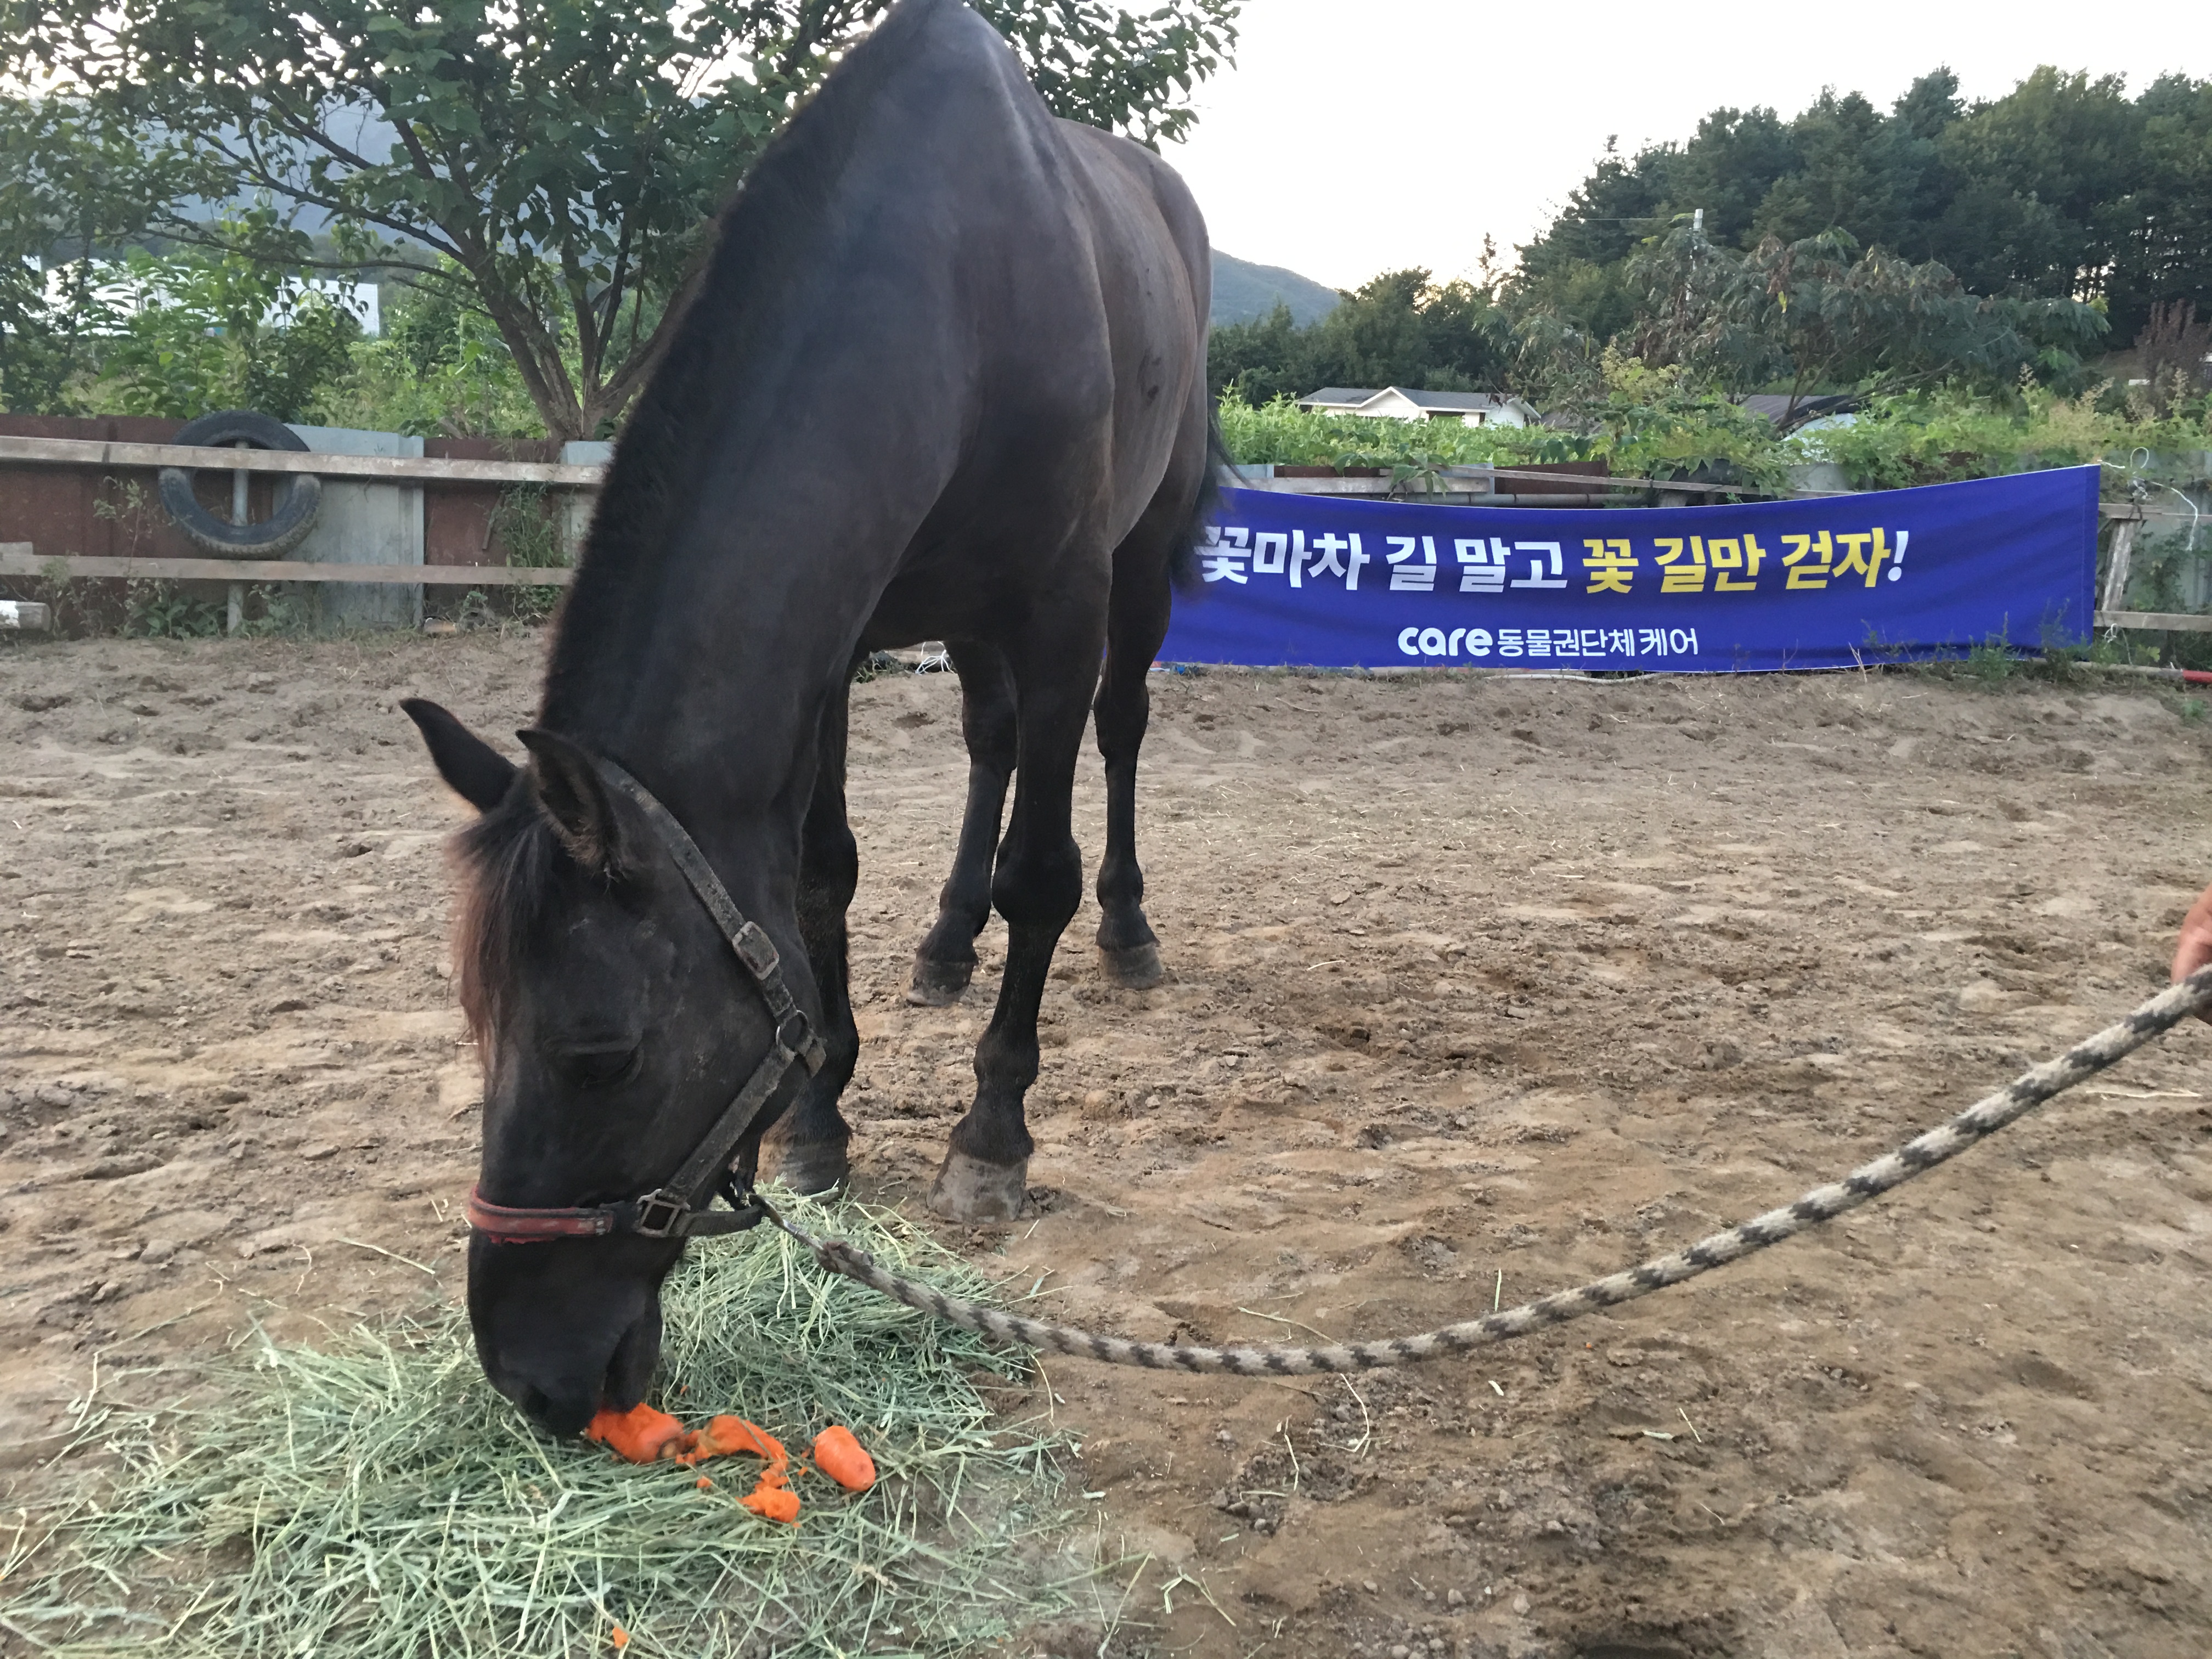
272, 538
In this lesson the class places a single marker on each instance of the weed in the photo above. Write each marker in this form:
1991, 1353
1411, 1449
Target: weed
273, 610
161, 611
527, 523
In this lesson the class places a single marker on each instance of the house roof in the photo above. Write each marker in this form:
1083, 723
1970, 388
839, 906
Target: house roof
1774, 406
1345, 397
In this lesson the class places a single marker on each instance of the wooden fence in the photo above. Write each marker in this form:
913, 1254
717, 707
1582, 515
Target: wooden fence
487, 475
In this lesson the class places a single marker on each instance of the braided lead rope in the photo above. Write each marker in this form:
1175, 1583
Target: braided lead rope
1978, 1121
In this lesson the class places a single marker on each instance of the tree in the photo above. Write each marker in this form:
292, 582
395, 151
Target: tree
199, 330
73, 186
2174, 351
1398, 329
557, 160
1820, 312
2064, 189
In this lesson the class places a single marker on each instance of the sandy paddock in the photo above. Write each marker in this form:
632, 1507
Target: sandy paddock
1468, 978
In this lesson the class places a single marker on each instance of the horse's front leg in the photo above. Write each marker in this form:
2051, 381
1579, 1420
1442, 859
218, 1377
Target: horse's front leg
1037, 887
811, 1143
947, 959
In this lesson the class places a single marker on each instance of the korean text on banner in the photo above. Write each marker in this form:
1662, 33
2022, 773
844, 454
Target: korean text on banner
1885, 576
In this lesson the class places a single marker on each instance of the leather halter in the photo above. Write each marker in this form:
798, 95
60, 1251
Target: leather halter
678, 1207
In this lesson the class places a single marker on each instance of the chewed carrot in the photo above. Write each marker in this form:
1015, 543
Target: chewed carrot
618, 1637
640, 1435
773, 1502
726, 1435
643, 1435
843, 1459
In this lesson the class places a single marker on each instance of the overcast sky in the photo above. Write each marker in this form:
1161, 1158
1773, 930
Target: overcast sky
1360, 135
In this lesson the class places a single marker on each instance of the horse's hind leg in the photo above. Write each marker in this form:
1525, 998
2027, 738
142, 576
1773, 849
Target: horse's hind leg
1128, 951
946, 958
811, 1143
1037, 887
1136, 623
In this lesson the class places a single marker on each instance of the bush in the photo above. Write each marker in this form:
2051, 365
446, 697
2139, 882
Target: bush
1659, 423
195, 331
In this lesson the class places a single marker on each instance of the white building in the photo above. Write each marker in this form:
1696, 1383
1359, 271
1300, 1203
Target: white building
1396, 404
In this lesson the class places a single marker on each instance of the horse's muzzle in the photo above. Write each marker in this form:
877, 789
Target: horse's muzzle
566, 1328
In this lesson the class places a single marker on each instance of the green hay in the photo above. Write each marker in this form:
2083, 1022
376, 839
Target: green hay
378, 1500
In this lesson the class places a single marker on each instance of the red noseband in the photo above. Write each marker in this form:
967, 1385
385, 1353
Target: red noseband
503, 1225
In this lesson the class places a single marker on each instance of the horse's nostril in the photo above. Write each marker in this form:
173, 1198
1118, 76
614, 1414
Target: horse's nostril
535, 1404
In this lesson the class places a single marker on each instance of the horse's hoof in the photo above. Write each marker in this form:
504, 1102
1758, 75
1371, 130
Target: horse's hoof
1136, 968
820, 1168
969, 1189
939, 984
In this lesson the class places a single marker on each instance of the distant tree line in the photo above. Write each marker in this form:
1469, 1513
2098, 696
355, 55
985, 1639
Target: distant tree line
1843, 247
1401, 329
2064, 189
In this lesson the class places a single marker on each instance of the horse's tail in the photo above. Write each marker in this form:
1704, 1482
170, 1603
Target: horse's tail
1182, 560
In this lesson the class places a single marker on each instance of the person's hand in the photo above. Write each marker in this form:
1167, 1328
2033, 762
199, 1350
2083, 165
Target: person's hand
2194, 949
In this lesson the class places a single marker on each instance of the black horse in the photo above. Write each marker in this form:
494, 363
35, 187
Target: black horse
943, 377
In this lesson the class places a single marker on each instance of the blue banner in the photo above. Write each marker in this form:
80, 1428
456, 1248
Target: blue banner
1325, 581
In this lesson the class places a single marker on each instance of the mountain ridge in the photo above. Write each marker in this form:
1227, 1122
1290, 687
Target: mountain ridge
1246, 293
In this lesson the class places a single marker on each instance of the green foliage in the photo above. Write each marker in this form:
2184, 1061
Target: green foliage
1819, 312
1400, 330
553, 163
1663, 422
1644, 422
2064, 189
200, 330
1935, 437
161, 611
1279, 431
73, 184
1992, 661
438, 370
527, 522
274, 609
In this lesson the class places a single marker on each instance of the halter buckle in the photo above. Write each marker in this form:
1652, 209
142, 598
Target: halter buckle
660, 1214
755, 950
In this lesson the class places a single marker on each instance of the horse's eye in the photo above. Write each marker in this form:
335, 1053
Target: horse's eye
599, 1068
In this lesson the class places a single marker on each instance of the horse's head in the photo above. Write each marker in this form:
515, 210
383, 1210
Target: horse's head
614, 1024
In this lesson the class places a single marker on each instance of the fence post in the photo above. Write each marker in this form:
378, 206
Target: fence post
2116, 573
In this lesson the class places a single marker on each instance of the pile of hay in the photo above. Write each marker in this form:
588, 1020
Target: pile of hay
377, 1499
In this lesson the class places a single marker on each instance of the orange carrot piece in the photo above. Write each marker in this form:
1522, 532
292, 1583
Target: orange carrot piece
619, 1637
640, 1435
773, 1502
645, 1436
726, 1435
843, 1459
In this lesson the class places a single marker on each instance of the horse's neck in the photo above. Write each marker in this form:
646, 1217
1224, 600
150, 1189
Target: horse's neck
703, 665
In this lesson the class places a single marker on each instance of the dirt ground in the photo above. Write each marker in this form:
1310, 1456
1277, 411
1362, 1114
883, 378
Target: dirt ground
1478, 988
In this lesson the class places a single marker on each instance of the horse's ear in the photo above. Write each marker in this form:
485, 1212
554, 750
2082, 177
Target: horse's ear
575, 797
479, 773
